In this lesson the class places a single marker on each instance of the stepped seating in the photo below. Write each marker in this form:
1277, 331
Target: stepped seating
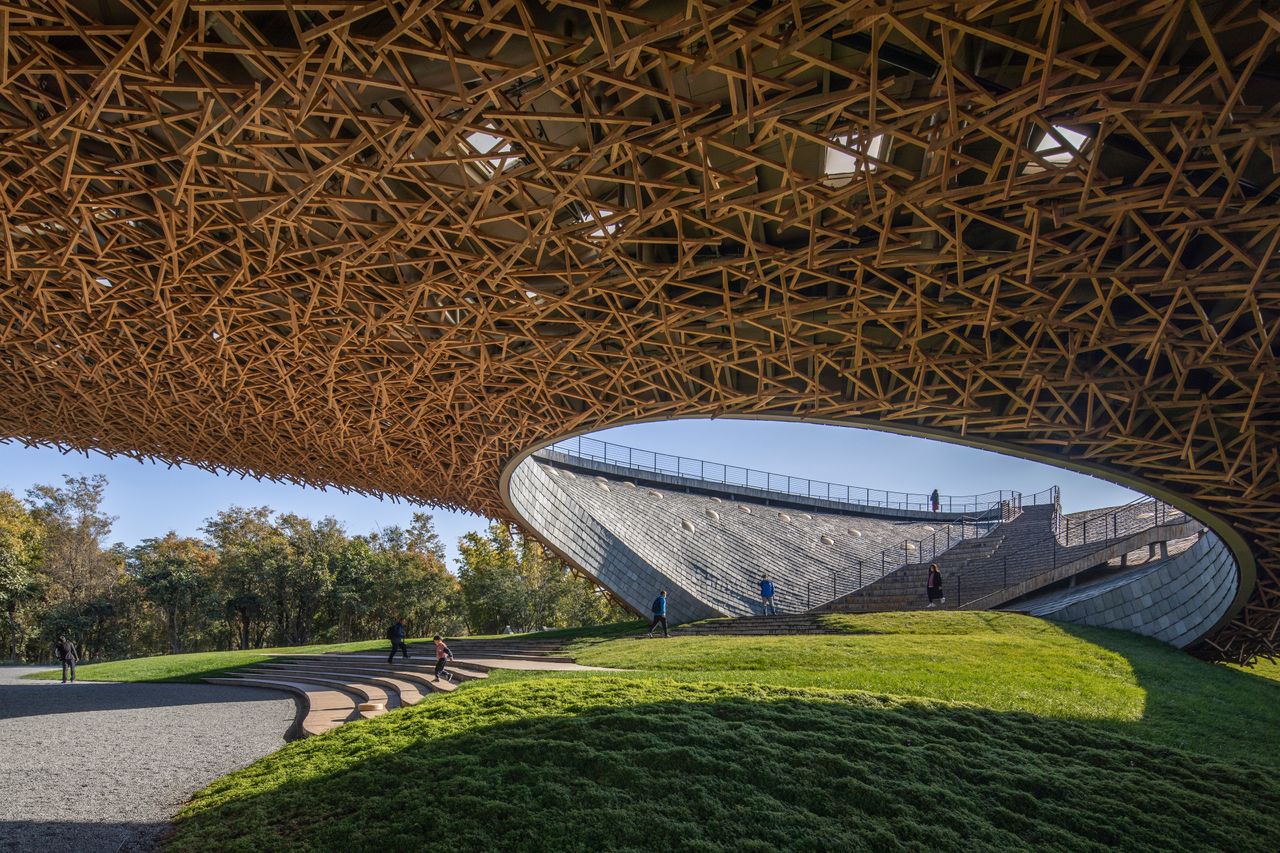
377, 700
754, 626
320, 709
332, 689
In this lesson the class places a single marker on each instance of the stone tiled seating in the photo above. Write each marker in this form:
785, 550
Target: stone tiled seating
707, 551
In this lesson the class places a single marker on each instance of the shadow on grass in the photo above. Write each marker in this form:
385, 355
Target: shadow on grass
616, 764
1193, 704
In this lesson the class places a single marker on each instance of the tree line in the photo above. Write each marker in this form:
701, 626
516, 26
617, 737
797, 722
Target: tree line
257, 578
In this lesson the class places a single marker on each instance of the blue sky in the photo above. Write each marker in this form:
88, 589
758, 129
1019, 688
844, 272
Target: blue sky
151, 499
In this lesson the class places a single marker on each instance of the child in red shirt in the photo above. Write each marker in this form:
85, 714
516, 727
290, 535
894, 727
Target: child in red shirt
442, 654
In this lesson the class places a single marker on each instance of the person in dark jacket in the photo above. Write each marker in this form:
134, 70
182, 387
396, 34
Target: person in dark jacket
659, 613
936, 500
766, 596
933, 586
396, 635
66, 652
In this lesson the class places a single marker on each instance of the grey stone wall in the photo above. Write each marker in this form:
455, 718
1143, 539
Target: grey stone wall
707, 551
590, 546
1177, 600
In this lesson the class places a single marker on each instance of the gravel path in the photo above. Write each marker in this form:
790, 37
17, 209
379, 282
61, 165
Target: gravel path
103, 767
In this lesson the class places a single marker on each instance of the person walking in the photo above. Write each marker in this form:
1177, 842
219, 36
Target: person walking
659, 613
766, 596
66, 652
933, 586
442, 655
396, 635
936, 500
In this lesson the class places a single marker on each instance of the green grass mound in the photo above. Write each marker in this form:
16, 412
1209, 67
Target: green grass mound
1000, 661
629, 764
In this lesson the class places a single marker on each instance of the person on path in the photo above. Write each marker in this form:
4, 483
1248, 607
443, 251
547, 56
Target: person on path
659, 613
396, 635
442, 654
766, 596
933, 586
936, 500
66, 652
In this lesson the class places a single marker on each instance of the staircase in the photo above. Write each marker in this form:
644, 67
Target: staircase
1017, 558
338, 687
755, 626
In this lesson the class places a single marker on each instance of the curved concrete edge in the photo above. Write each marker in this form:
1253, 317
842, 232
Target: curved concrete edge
556, 519
1179, 600
1244, 562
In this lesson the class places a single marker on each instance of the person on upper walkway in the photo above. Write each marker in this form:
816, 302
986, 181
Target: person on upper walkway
936, 500
442, 654
659, 613
766, 596
396, 635
933, 586
66, 652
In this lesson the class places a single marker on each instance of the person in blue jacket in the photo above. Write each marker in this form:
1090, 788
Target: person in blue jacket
659, 613
766, 595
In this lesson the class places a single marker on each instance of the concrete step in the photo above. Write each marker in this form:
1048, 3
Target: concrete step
320, 709
378, 700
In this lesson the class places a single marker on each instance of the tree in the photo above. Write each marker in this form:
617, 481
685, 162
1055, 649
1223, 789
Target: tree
20, 552
75, 529
175, 574
511, 579
249, 549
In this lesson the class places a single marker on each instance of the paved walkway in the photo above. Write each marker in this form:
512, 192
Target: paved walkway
103, 767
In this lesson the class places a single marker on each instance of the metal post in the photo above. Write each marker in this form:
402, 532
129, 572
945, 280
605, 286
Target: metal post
1006, 574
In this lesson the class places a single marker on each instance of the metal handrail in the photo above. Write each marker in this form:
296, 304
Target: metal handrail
1106, 529
593, 449
913, 551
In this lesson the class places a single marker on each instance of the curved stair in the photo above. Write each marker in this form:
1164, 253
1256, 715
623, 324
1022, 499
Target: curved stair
331, 689
320, 709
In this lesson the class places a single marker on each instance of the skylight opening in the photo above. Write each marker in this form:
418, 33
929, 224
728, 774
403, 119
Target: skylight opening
1052, 150
601, 218
483, 142
840, 165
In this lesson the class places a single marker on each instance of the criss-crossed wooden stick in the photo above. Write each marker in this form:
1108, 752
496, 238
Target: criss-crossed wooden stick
261, 236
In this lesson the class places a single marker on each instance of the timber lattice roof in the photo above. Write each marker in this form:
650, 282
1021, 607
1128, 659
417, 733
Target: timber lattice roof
387, 245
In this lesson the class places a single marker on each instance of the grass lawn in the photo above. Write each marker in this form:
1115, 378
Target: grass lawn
192, 668
1002, 662
903, 732
609, 763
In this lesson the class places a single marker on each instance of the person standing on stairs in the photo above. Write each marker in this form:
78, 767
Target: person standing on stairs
933, 586
659, 613
396, 635
936, 500
766, 596
442, 654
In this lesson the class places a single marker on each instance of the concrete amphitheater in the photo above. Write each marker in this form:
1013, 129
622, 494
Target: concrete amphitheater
638, 521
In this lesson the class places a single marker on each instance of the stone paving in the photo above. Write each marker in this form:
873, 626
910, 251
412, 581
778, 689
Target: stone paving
104, 767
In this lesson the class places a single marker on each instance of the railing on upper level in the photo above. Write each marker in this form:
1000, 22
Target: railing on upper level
1102, 528
922, 550
595, 450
